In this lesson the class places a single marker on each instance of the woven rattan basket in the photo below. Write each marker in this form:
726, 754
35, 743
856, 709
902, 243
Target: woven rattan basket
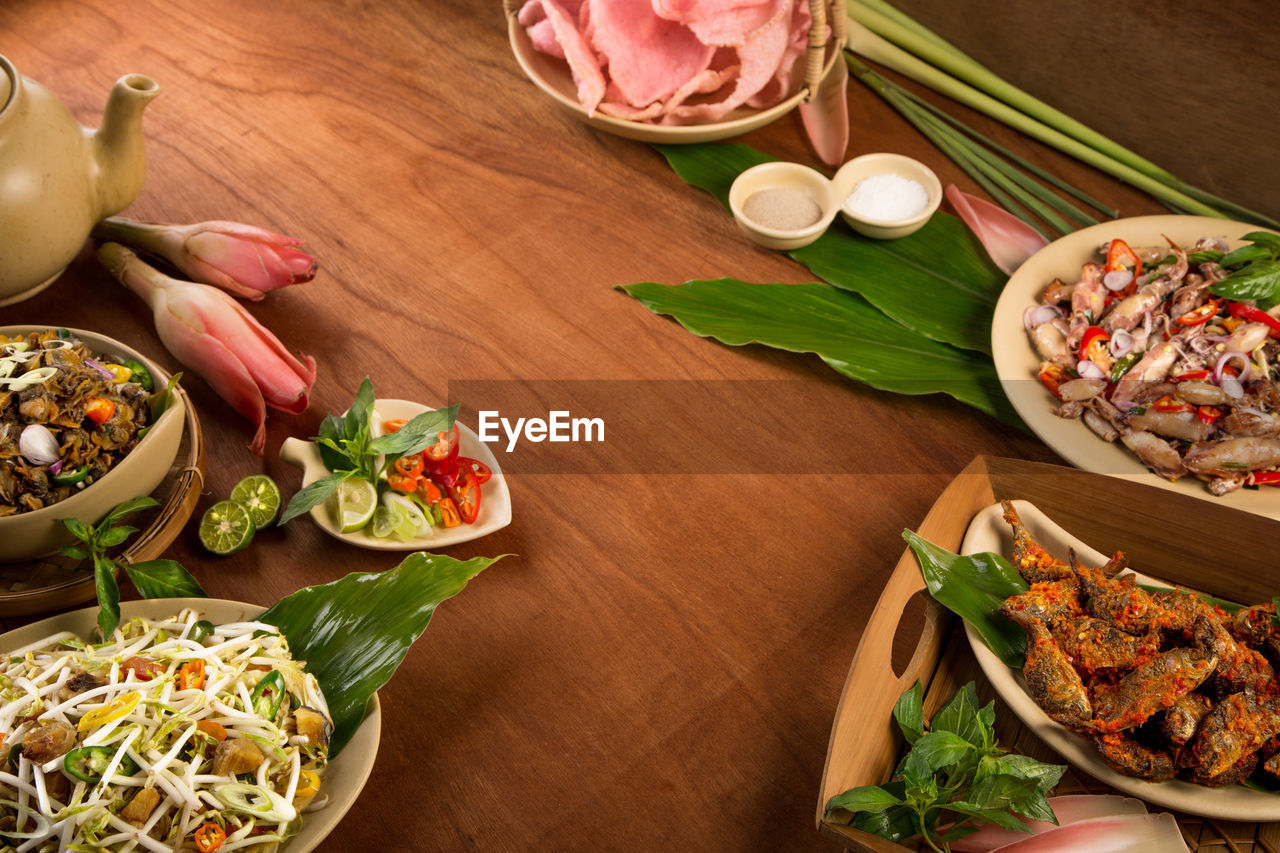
827, 37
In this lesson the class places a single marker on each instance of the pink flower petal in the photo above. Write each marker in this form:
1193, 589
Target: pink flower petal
1008, 240
826, 117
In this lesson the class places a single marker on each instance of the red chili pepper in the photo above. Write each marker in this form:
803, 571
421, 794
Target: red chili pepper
465, 493
1191, 374
1093, 346
1255, 315
401, 482
409, 466
449, 513
394, 424
213, 729
428, 491
99, 409
483, 473
441, 459
209, 837
1203, 314
1208, 414
1120, 256
1168, 403
1264, 478
1053, 376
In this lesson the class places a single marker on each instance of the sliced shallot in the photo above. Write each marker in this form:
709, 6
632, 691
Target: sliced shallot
1036, 315
1122, 343
38, 445
1117, 279
1089, 370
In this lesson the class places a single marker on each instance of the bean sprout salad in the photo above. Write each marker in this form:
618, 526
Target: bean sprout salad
174, 735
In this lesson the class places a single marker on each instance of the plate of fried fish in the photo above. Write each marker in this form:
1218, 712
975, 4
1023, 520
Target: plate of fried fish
1160, 693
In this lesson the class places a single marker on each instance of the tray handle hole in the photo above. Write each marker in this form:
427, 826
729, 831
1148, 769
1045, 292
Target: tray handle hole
910, 630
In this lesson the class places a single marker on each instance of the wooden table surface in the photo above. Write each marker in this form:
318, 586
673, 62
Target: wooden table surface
657, 664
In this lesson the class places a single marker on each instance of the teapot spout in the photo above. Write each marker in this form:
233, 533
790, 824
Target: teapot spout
117, 144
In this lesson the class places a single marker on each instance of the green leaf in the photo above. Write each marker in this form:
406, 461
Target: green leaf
160, 401
940, 748
312, 495
896, 823
354, 632
74, 552
163, 579
1036, 807
909, 712
104, 580
960, 717
123, 509
1258, 281
973, 587
937, 282
113, 536
1237, 258
1265, 239
419, 433
1022, 766
79, 529
999, 816
868, 798
1000, 791
847, 333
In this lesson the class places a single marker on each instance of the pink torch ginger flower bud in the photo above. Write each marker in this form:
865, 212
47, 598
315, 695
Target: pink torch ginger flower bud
241, 259
216, 337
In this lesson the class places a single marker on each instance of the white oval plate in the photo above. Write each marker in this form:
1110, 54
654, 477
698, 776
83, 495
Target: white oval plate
989, 532
1017, 362
495, 499
343, 778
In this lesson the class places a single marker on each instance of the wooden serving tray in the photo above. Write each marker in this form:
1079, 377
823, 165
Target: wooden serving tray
1178, 538
52, 583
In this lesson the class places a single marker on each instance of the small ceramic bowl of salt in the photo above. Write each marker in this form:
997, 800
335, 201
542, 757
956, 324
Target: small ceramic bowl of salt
782, 205
886, 196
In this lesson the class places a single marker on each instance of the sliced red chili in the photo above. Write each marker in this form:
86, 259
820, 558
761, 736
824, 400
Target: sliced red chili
1264, 478
394, 424
99, 409
1093, 346
449, 513
191, 675
1053, 376
1168, 403
1255, 315
483, 472
410, 466
402, 483
1120, 256
428, 491
1203, 314
1208, 414
209, 837
465, 493
144, 669
1191, 374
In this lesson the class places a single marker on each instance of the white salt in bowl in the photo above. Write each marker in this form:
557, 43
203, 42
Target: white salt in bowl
869, 165
794, 177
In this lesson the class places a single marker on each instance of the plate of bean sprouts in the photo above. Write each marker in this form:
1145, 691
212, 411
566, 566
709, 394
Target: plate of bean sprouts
191, 727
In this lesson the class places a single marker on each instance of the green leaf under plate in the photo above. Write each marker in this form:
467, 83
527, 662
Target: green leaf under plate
938, 282
840, 327
354, 632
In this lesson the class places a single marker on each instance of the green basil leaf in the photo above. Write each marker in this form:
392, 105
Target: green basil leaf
896, 823
941, 748
163, 579
1036, 807
1258, 281
1265, 239
1000, 791
909, 712
868, 798
126, 508
354, 632
974, 587
104, 580
418, 434
999, 816
1237, 258
960, 716
312, 495
942, 260
74, 552
1023, 767
113, 536
160, 401
840, 327
1204, 256
361, 411
79, 529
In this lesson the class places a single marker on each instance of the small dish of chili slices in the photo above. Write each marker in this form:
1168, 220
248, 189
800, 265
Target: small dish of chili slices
482, 506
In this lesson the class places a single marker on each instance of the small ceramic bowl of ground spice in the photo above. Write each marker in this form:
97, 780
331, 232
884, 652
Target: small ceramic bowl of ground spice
886, 196
782, 205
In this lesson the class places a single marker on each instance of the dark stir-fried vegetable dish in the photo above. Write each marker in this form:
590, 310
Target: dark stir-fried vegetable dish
67, 417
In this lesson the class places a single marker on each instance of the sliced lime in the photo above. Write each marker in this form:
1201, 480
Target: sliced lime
354, 503
261, 497
226, 527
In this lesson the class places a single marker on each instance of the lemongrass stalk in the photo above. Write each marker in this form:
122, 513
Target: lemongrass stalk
957, 64
905, 31
957, 153
1021, 162
870, 45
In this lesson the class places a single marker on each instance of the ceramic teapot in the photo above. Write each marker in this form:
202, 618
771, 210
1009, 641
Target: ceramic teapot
57, 179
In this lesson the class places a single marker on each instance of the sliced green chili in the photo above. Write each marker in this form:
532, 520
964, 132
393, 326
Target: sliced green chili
88, 763
267, 694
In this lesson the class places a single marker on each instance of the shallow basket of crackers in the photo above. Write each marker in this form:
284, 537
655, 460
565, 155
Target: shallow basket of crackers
677, 70
1182, 549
